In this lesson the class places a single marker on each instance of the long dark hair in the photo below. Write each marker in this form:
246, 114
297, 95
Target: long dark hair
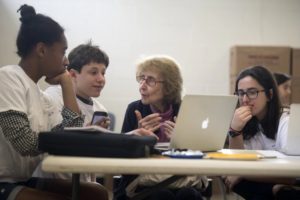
36, 28
270, 122
281, 77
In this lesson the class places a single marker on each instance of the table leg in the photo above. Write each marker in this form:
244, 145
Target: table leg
75, 186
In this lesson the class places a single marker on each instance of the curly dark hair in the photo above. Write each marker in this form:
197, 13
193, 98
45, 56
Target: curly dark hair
36, 28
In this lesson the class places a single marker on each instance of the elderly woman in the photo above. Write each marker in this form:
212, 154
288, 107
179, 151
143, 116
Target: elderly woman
160, 86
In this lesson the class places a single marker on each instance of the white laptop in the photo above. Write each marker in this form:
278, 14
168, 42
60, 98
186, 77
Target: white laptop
202, 122
292, 143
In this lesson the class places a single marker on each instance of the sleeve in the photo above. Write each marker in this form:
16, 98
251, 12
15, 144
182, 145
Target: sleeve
13, 92
16, 129
70, 119
130, 121
281, 137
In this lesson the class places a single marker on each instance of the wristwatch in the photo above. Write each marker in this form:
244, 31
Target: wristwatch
233, 134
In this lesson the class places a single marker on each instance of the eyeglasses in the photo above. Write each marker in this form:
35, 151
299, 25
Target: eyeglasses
251, 93
151, 81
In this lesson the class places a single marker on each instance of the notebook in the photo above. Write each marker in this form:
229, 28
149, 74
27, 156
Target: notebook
292, 143
202, 122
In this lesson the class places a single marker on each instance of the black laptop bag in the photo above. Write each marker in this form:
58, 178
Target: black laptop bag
96, 144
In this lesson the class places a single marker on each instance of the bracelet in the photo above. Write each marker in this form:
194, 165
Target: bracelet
233, 133
231, 129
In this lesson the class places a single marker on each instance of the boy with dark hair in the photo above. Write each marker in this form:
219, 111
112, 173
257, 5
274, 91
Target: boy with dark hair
87, 67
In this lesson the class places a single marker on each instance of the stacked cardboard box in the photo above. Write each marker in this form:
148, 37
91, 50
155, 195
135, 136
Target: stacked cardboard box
277, 59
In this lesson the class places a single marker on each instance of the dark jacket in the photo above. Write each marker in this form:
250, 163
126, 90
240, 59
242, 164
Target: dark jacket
130, 123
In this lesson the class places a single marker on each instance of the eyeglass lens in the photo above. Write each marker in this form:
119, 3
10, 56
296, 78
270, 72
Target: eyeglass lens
149, 80
250, 93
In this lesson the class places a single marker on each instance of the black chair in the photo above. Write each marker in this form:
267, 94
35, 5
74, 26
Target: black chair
112, 118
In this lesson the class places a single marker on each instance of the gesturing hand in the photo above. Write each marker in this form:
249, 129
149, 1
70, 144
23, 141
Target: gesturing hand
168, 128
150, 122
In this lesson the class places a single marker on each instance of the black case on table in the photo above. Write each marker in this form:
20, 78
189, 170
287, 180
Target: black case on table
95, 144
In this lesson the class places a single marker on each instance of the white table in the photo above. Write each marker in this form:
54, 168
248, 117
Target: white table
280, 167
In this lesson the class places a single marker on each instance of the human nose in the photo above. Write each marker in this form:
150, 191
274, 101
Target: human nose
244, 98
143, 82
100, 77
66, 61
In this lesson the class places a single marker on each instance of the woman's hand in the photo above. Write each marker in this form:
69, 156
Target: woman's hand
168, 128
150, 122
240, 118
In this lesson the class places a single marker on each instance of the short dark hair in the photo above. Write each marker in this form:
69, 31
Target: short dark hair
270, 123
36, 28
85, 54
281, 77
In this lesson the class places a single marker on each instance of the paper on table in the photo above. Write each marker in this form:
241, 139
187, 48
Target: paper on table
162, 146
92, 128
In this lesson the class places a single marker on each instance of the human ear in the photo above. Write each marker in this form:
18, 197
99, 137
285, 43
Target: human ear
73, 73
40, 49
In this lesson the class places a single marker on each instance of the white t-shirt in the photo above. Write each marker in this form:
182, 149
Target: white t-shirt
55, 93
261, 142
20, 93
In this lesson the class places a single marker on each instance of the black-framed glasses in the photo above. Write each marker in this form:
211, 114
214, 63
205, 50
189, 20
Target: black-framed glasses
151, 81
251, 93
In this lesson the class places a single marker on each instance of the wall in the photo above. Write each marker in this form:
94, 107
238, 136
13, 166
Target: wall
198, 33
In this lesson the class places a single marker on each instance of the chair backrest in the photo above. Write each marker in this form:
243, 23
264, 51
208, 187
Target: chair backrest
112, 118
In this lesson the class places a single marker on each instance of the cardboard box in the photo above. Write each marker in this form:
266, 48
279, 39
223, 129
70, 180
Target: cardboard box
295, 97
277, 59
296, 62
232, 83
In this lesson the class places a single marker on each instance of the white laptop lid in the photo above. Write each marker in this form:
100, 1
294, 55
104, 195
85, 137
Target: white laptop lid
203, 122
292, 145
